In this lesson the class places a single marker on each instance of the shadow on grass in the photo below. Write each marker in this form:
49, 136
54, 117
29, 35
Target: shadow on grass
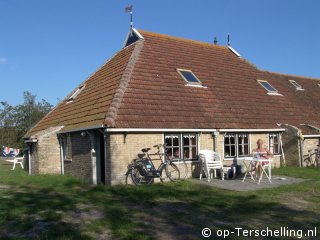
59, 207
182, 210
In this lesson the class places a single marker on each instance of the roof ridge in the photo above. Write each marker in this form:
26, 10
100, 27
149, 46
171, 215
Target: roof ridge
112, 112
290, 75
208, 44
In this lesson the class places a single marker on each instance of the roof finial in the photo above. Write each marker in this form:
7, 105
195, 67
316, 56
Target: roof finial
129, 10
228, 39
215, 41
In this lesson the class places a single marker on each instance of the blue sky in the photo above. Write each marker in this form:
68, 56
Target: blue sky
49, 47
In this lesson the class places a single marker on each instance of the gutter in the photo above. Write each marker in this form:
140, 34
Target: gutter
311, 136
158, 130
253, 130
82, 129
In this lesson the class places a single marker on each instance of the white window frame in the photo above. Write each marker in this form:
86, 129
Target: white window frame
75, 94
180, 70
269, 92
271, 143
296, 85
67, 147
237, 156
181, 145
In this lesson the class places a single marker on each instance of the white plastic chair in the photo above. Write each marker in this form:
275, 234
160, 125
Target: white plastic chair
16, 160
210, 161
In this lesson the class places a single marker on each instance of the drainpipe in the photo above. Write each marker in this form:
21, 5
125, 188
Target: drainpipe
105, 136
29, 157
282, 152
215, 135
61, 154
93, 141
300, 147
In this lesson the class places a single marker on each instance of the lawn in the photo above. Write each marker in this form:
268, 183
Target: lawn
62, 207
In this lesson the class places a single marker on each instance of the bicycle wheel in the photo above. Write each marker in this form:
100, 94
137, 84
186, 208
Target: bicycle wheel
138, 178
172, 172
183, 168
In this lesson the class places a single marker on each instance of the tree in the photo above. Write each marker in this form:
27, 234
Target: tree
19, 119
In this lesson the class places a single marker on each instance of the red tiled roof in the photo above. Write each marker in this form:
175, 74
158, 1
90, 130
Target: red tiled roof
157, 97
89, 108
140, 88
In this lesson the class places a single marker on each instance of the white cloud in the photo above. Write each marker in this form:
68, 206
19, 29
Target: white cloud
3, 60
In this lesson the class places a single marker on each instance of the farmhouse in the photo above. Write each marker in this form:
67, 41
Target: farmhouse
188, 94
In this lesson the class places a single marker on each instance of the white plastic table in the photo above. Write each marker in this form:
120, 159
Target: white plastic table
256, 163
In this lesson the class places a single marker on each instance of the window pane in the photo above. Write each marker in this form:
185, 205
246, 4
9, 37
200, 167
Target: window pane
168, 141
176, 153
175, 141
227, 151
189, 76
185, 141
267, 86
194, 152
186, 153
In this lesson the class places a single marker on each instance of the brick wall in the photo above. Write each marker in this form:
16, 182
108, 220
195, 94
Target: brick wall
45, 155
124, 148
206, 141
309, 144
81, 164
291, 147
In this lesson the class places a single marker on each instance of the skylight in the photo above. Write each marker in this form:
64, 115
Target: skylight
189, 76
297, 85
75, 94
271, 90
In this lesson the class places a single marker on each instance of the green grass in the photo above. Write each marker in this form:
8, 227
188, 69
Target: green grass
62, 207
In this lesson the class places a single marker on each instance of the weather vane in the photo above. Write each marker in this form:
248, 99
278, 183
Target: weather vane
129, 10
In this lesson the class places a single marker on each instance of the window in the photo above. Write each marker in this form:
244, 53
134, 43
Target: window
189, 77
172, 142
274, 143
268, 87
297, 85
236, 145
189, 146
243, 144
67, 147
181, 145
75, 94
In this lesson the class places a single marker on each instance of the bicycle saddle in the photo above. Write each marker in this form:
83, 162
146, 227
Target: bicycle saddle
144, 150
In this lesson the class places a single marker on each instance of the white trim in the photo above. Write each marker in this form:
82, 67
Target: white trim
158, 130
274, 94
311, 136
128, 34
234, 51
253, 130
195, 85
34, 140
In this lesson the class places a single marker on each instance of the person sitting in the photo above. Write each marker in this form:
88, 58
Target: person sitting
262, 153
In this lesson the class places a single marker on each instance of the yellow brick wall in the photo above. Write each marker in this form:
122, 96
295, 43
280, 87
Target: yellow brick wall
124, 148
309, 144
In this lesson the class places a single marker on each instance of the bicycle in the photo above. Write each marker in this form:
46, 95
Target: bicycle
142, 170
310, 160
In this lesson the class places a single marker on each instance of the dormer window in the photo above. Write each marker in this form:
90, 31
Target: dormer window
189, 77
267, 86
297, 85
75, 94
